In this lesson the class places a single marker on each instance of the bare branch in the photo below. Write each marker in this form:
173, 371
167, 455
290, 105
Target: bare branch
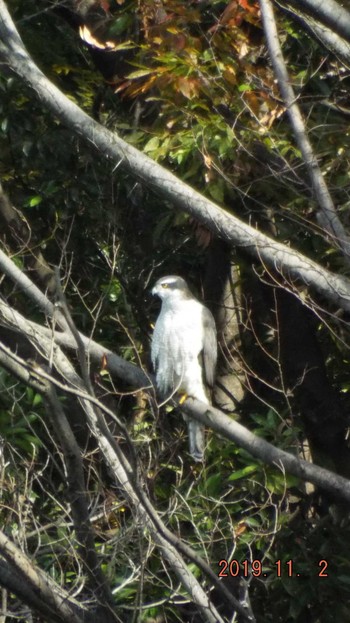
30, 374
330, 39
19, 585
27, 286
327, 37
329, 215
289, 263
336, 485
58, 602
81, 350
117, 365
78, 501
331, 13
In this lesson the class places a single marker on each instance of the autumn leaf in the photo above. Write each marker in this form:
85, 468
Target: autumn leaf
189, 87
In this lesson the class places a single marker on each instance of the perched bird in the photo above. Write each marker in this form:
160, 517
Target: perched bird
184, 350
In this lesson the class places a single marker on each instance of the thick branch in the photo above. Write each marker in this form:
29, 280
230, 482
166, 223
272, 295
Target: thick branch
56, 600
10, 580
329, 215
290, 264
331, 13
327, 37
17, 585
337, 486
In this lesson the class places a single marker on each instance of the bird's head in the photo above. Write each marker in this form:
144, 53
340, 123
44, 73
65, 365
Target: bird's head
170, 288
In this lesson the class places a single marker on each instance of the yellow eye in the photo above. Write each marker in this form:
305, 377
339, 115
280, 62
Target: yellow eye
164, 285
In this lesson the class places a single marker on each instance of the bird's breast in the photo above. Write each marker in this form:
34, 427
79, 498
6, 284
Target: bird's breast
179, 330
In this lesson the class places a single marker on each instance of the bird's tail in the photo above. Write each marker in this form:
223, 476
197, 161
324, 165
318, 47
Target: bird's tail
196, 438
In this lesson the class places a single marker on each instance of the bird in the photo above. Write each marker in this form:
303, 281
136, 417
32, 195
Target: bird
184, 350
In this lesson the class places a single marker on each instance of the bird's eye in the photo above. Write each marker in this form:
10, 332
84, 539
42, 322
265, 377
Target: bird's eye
164, 285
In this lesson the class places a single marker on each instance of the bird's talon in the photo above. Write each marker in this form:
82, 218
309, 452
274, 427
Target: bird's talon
183, 398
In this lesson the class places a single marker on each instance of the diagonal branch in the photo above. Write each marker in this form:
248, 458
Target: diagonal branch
328, 215
337, 486
121, 368
289, 263
331, 13
29, 594
52, 597
324, 34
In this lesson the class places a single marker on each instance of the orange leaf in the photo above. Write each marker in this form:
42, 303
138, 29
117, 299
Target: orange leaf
105, 5
240, 528
250, 8
188, 87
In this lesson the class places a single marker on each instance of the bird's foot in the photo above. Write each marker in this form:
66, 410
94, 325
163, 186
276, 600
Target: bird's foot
183, 398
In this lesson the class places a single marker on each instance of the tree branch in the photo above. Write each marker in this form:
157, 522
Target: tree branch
53, 599
289, 263
327, 37
330, 219
117, 365
29, 374
18, 585
337, 486
330, 13
79, 503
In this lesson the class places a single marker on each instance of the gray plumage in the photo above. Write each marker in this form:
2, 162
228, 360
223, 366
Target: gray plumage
184, 350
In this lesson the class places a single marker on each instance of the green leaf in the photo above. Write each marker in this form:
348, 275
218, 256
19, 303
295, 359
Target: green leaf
33, 201
37, 399
244, 87
213, 484
140, 73
243, 473
216, 192
120, 25
151, 145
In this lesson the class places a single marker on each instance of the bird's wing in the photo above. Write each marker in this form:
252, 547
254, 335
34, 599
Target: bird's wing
210, 346
155, 345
